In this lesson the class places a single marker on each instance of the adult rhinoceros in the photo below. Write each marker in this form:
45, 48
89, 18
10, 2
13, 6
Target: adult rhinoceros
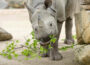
47, 17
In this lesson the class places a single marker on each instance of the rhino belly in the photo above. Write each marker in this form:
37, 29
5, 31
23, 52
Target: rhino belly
60, 8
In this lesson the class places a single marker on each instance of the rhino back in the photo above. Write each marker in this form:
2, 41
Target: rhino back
35, 2
72, 7
65, 8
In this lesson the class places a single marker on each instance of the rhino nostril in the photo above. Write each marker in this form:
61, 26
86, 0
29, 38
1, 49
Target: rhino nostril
35, 29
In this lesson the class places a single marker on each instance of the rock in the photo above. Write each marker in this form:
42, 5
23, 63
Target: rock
3, 4
82, 54
4, 35
86, 7
86, 1
85, 4
16, 3
83, 27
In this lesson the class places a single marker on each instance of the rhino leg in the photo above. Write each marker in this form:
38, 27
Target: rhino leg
47, 54
4, 35
54, 52
68, 28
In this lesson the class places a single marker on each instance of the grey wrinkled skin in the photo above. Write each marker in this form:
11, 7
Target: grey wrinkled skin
48, 19
3, 4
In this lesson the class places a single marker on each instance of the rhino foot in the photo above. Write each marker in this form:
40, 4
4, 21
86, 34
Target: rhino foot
55, 55
69, 41
45, 55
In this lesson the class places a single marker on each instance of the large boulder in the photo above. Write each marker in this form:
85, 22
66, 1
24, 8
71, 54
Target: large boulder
4, 35
82, 54
87, 1
83, 27
86, 4
87, 7
16, 3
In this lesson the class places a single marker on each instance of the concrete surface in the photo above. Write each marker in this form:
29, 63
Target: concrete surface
17, 23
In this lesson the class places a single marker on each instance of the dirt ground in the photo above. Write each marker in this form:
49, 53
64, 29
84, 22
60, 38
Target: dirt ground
17, 23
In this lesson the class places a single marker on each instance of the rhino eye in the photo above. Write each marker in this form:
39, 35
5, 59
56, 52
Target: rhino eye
35, 29
50, 24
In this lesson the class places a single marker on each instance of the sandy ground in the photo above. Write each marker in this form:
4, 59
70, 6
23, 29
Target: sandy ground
17, 23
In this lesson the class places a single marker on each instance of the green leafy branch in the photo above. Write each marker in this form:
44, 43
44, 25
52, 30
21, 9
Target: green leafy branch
9, 51
64, 48
30, 49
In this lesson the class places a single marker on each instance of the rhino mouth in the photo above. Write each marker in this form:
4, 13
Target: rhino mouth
45, 41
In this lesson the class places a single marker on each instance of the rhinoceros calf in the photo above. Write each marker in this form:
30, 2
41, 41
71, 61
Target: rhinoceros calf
47, 17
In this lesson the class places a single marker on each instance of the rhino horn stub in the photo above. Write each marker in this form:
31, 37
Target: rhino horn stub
30, 8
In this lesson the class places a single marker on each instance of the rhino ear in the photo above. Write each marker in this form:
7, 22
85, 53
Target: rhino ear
30, 8
48, 3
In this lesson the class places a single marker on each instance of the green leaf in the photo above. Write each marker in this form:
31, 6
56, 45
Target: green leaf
39, 57
53, 40
17, 41
35, 44
26, 52
28, 40
4, 54
67, 47
74, 37
16, 55
26, 58
0, 53
33, 35
26, 43
41, 48
9, 57
50, 46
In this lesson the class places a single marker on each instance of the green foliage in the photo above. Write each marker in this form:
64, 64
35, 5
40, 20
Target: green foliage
52, 39
74, 37
31, 48
17, 41
33, 35
43, 50
66, 47
49, 46
62, 39
26, 52
9, 51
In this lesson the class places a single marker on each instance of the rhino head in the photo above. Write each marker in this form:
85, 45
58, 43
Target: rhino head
43, 23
